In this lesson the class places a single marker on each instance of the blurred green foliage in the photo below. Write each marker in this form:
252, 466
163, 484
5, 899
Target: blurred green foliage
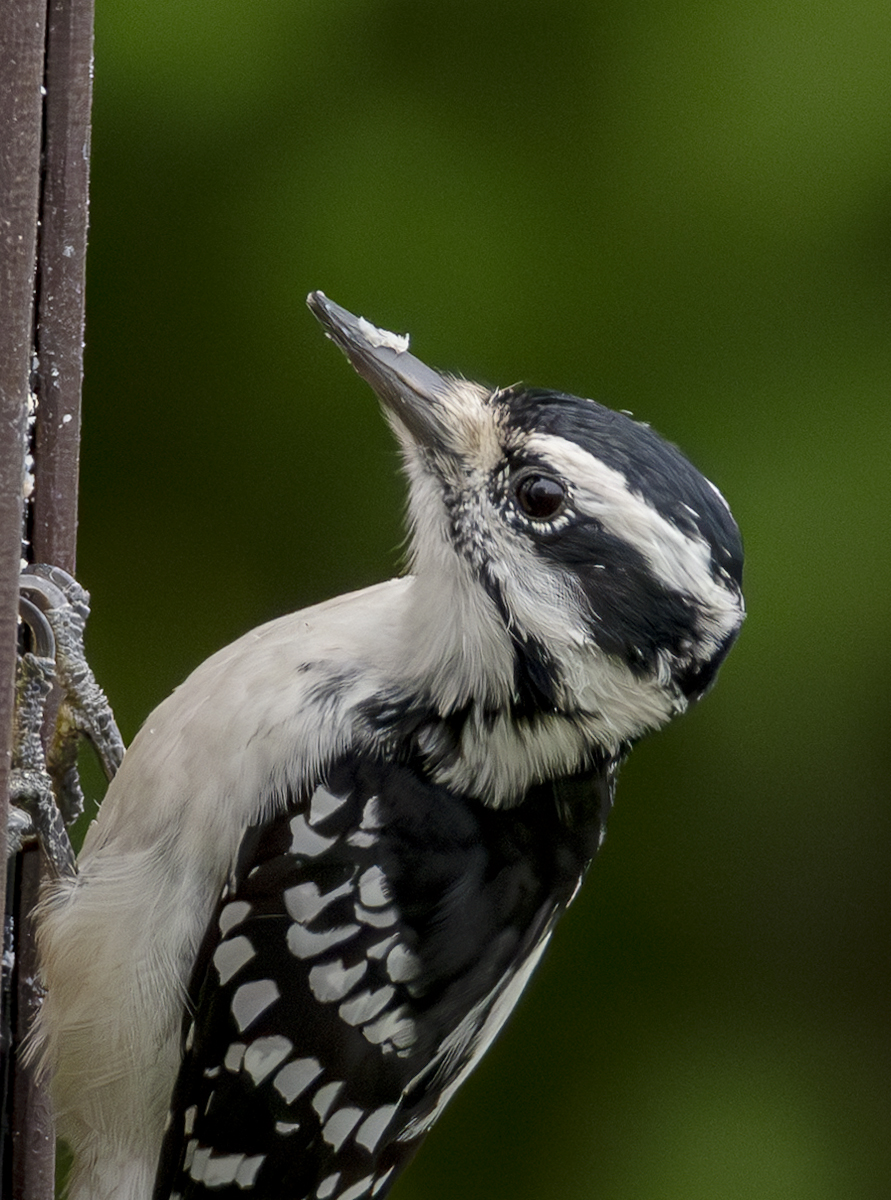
683, 210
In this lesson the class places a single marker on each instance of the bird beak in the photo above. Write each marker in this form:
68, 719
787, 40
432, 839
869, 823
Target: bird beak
416, 395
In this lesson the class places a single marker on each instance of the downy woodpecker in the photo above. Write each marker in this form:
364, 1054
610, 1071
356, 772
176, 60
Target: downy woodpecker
332, 858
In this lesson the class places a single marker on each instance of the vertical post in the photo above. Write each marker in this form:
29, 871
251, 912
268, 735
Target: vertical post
44, 123
61, 279
22, 47
21, 115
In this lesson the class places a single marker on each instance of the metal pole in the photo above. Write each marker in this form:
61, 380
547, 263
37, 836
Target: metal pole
56, 41
22, 50
21, 114
61, 278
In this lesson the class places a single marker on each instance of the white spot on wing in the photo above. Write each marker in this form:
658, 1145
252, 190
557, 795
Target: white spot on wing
322, 804
295, 1077
340, 1125
304, 901
402, 965
233, 914
379, 918
234, 1056
332, 981
373, 889
265, 1054
372, 1128
366, 1005
252, 999
380, 949
230, 956
395, 1027
325, 1097
199, 1162
221, 1169
327, 1187
246, 1174
371, 815
357, 1190
305, 840
304, 944
286, 1127
366, 835
189, 1120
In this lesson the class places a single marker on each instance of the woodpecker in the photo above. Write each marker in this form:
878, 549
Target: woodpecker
330, 861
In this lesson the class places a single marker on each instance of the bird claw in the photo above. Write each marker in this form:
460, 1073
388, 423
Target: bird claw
45, 787
85, 711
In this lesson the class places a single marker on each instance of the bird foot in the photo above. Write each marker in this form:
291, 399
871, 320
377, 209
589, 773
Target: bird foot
45, 787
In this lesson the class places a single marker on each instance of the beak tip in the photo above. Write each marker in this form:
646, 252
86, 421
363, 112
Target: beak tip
316, 300
320, 307
406, 387
352, 331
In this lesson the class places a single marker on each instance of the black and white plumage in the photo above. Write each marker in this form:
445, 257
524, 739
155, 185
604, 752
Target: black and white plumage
333, 857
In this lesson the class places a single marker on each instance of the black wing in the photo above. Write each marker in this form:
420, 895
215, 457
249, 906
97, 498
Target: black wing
370, 944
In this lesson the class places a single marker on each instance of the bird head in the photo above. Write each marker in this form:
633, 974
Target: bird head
577, 562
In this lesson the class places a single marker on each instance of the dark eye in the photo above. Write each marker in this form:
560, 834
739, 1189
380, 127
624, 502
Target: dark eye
540, 496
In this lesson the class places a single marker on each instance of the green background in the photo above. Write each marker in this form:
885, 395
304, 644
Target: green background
680, 209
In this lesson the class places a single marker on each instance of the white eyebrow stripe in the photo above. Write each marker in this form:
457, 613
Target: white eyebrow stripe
681, 561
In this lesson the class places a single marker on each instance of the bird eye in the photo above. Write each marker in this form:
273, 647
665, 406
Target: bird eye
540, 496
